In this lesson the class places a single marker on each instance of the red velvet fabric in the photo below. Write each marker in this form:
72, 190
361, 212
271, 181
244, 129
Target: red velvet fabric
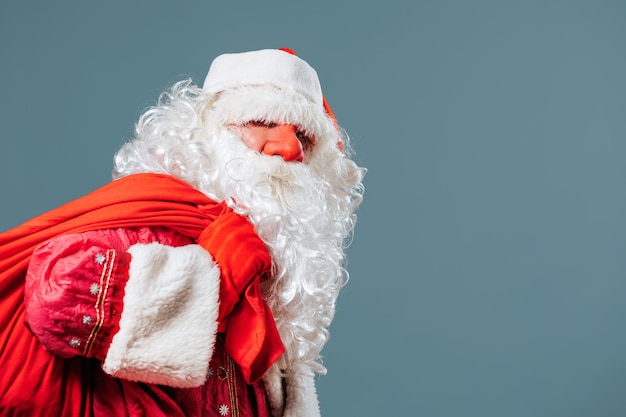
59, 294
35, 382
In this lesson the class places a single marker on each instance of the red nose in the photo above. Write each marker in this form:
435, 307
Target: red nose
281, 140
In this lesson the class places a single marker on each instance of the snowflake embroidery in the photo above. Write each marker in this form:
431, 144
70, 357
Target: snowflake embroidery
100, 259
209, 373
94, 289
223, 410
87, 319
74, 342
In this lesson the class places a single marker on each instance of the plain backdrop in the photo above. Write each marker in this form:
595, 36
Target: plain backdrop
488, 268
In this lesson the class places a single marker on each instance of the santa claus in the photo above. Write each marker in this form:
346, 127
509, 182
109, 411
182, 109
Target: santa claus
203, 279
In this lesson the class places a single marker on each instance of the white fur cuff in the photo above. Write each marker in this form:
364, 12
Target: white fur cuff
169, 322
291, 393
301, 394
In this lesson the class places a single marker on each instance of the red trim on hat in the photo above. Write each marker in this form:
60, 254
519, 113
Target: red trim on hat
288, 50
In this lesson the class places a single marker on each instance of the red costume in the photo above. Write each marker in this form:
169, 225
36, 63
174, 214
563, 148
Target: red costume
51, 385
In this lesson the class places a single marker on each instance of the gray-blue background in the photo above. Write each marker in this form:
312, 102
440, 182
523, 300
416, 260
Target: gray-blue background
488, 267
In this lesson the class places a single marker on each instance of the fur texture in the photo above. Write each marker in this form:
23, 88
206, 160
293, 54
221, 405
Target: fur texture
265, 67
170, 288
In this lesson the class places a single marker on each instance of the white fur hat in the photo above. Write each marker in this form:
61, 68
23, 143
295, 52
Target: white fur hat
278, 68
270, 85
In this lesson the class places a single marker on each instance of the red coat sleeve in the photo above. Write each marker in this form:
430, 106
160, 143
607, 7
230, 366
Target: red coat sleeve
75, 288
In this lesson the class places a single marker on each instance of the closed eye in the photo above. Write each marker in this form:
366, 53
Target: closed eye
306, 140
260, 123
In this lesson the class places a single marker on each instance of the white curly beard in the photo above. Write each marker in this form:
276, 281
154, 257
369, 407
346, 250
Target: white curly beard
296, 214
303, 212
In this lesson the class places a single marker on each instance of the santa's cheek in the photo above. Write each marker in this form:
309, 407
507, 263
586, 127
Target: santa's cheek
252, 140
